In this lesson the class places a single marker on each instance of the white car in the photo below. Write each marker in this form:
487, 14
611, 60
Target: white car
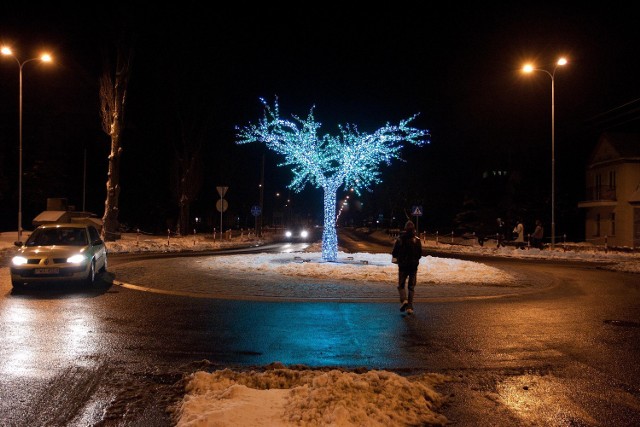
59, 253
298, 234
301, 234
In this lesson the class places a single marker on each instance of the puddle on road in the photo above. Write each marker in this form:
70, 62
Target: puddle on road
542, 400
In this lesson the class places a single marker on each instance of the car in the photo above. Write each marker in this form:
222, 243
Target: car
298, 234
71, 252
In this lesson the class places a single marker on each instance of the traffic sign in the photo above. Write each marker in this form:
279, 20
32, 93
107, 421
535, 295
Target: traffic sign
222, 191
222, 205
416, 210
255, 210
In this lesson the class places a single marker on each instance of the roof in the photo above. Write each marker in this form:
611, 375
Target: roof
68, 217
50, 216
64, 225
613, 146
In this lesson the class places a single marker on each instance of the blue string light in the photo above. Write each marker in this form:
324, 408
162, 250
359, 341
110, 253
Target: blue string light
350, 159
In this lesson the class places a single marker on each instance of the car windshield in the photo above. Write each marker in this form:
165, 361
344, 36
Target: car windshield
58, 236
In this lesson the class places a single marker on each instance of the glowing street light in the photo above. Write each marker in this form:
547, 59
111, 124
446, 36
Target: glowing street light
45, 57
529, 68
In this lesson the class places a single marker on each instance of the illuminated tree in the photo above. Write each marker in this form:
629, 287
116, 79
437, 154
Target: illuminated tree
350, 159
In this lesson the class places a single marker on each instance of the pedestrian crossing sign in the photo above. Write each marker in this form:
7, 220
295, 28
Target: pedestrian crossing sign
416, 210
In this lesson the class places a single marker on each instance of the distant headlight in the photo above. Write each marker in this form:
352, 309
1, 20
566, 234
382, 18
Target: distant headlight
76, 259
19, 260
287, 233
304, 234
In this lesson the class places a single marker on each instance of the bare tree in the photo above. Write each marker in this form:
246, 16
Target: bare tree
188, 170
194, 117
113, 97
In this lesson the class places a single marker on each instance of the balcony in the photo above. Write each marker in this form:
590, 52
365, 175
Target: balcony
599, 196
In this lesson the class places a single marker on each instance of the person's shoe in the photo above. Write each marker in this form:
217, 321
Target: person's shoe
404, 306
409, 310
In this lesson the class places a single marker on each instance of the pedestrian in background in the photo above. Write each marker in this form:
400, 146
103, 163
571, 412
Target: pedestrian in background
480, 234
406, 252
501, 232
538, 234
518, 231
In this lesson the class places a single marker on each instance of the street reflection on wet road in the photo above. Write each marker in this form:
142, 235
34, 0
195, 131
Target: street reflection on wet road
311, 333
43, 330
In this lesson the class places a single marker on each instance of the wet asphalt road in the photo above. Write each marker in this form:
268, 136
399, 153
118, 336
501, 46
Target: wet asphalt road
565, 352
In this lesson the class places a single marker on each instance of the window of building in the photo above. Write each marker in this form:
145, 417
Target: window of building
597, 185
597, 224
612, 218
612, 179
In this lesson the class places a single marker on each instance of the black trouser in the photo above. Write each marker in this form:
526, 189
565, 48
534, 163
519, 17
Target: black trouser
405, 273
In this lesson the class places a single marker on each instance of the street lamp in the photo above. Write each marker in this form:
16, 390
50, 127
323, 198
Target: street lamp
45, 57
529, 68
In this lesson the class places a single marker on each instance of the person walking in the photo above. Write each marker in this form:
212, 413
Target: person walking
538, 234
501, 232
406, 252
519, 232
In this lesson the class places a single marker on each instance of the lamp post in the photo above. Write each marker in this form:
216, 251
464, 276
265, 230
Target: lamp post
529, 68
45, 57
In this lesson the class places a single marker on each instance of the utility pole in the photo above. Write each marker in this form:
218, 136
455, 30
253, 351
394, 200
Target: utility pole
261, 195
84, 181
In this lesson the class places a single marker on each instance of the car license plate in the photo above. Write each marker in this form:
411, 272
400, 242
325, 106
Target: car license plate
47, 271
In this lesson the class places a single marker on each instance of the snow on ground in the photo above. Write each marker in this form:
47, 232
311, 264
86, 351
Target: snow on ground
295, 396
364, 267
280, 396
627, 261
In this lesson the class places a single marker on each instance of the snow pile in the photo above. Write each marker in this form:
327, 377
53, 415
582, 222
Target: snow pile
291, 397
361, 267
133, 243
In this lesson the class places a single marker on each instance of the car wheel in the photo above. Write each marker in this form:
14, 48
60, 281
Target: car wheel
91, 279
105, 265
17, 285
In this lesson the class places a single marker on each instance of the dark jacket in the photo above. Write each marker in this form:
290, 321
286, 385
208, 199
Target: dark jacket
407, 250
502, 229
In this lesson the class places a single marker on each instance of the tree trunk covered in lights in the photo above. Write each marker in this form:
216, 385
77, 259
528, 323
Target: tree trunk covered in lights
329, 233
113, 96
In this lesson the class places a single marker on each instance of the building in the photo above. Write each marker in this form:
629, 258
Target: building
612, 202
59, 211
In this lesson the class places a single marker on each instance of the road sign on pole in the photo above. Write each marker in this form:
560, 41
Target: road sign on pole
416, 210
222, 190
221, 204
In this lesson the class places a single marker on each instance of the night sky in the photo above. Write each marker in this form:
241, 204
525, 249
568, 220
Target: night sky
458, 68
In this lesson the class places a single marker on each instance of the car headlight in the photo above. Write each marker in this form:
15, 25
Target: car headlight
19, 260
288, 234
76, 259
304, 234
